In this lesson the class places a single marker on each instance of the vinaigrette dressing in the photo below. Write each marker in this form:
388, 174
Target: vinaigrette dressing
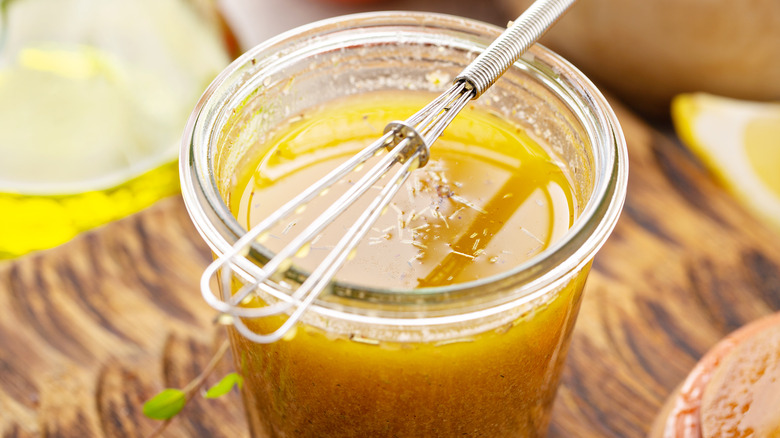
489, 199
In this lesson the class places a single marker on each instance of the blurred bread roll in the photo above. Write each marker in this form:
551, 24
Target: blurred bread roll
734, 390
743, 397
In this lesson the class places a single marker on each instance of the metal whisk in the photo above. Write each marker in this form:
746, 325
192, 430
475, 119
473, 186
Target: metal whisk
408, 146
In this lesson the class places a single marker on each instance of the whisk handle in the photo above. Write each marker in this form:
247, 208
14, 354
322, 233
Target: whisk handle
513, 42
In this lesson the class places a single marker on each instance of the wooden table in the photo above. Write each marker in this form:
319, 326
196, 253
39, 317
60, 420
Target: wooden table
91, 329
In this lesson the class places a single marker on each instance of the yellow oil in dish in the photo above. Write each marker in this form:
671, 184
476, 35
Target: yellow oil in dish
35, 222
489, 199
78, 151
92, 107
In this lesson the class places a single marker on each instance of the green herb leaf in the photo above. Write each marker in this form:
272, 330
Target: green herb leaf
225, 385
166, 404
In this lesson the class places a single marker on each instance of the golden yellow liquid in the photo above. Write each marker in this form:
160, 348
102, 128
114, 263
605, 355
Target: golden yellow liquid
35, 222
489, 199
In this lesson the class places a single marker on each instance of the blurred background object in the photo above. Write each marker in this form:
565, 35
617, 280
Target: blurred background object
647, 51
257, 20
94, 95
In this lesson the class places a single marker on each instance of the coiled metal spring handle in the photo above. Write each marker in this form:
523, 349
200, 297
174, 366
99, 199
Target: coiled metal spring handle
408, 144
513, 42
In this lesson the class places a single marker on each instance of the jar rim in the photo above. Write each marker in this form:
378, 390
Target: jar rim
568, 254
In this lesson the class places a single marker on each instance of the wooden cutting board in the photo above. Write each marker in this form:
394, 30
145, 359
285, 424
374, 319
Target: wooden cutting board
91, 329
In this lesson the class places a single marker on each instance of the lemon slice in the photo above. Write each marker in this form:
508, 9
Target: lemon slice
739, 141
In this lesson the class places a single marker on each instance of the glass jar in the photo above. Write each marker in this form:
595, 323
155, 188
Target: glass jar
93, 98
481, 358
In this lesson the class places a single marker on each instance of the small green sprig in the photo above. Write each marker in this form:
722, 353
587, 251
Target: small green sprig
170, 401
166, 404
225, 385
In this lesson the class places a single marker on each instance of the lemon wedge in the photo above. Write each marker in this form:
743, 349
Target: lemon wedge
739, 141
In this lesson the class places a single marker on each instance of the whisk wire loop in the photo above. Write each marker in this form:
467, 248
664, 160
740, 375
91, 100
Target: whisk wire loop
319, 279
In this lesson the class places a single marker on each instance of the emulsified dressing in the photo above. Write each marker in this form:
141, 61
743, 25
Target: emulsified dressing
489, 199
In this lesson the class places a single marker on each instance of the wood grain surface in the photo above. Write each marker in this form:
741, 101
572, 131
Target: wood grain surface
91, 329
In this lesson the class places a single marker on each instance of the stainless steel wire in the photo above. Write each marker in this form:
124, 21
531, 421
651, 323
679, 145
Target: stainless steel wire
408, 145
507, 49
